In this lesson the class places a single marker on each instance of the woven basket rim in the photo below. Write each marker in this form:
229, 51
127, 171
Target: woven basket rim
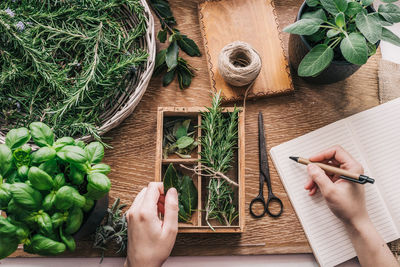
129, 103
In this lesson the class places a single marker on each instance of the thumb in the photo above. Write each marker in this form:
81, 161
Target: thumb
319, 177
170, 226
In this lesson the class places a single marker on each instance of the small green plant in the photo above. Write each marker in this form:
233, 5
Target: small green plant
179, 138
343, 30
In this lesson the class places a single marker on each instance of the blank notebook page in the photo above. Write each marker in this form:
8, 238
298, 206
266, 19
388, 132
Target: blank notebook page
378, 133
326, 233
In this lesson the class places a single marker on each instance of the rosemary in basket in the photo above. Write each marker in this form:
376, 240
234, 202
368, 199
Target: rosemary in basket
67, 63
218, 141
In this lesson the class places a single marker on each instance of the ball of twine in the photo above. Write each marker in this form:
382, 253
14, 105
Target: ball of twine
239, 64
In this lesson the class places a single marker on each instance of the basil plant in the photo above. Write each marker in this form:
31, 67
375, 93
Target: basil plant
45, 193
343, 30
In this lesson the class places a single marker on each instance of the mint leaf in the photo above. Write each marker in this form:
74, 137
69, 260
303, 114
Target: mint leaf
316, 60
304, 26
390, 37
171, 57
390, 12
354, 49
370, 26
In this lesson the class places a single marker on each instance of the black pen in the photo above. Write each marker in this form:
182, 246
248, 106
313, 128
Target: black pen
353, 177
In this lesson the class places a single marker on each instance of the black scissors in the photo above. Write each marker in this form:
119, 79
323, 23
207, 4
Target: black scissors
264, 176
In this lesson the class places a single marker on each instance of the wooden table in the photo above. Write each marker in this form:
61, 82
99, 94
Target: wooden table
132, 158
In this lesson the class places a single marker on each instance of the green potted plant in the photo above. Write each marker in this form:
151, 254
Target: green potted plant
331, 39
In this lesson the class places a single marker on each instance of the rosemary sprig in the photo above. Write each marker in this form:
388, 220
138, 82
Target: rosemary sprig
218, 142
66, 62
114, 229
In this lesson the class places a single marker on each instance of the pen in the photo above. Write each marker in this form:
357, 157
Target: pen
353, 177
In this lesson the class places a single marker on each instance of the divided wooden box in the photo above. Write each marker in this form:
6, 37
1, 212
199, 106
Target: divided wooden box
237, 172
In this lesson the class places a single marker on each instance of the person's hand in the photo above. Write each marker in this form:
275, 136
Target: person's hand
345, 199
150, 240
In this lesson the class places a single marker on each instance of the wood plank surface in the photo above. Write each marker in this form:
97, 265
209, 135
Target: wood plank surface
132, 158
254, 22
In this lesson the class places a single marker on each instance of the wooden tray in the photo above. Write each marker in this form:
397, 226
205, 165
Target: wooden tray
199, 224
254, 22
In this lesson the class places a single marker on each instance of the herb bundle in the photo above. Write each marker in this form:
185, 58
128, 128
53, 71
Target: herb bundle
66, 63
179, 138
218, 141
187, 192
168, 60
343, 30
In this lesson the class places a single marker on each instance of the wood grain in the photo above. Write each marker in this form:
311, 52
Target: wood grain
285, 117
253, 22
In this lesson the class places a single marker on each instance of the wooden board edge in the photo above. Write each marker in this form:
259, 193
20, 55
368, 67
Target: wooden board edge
242, 170
159, 134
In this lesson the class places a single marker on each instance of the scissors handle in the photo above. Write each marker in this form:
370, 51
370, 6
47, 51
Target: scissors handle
272, 198
258, 199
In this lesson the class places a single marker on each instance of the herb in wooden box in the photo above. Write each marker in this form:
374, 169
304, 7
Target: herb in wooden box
179, 138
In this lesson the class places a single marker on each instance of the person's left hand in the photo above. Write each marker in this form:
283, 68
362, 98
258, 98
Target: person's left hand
150, 240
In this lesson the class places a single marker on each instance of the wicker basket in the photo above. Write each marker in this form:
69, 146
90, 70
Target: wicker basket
130, 98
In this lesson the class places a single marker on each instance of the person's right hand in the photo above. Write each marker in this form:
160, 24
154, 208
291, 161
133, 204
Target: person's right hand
345, 199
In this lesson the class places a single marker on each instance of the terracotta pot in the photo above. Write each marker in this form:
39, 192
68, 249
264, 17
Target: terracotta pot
337, 70
93, 218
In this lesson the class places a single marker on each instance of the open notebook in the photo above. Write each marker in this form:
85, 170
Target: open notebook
373, 138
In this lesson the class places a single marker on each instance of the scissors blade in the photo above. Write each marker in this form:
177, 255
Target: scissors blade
264, 167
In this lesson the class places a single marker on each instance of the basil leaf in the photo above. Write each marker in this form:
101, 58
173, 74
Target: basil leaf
74, 154
188, 194
390, 37
76, 176
42, 135
5, 159
58, 218
5, 197
67, 196
7, 246
317, 14
88, 205
184, 142
22, 156
59, 181
370, 26
316, 60
170, 178
44, 246
390, 12
189, 46
334, 6
25, 196
354, 49
43, 154
94, 152
48, 201
171, 56
64, 141
304, 26
23, 172
68, 240
7, 228
101, 167
74, 221
44, 223
40, 179
312, 3
353, 9
50, 167
98, 185
17, 137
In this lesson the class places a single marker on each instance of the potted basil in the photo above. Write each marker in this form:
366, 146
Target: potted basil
331, 39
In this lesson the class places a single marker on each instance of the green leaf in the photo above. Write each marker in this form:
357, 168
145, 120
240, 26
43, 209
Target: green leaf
169, 77
340, 20
170, 178
334, 6
42, 135
160, 64
171, 57
43, 154
164, 10
312, 3
316, 60
389, 1
390, 37
316, 37
304, 26
162, 35
353, 9
62, 142
390, 12
332, 32
8, 245
188, 194
370, 26
367, 2
182, 131
68, 240
40, 179
317, 14
44, 246
189, 46
98, 185
6, 157
67, 197
94, 152
101, 167
74, 154
75, 175
354, 49
74, 221
25, 196
371, 49
17, 137
184, 142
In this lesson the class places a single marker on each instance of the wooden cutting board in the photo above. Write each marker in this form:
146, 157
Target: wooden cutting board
253, 22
